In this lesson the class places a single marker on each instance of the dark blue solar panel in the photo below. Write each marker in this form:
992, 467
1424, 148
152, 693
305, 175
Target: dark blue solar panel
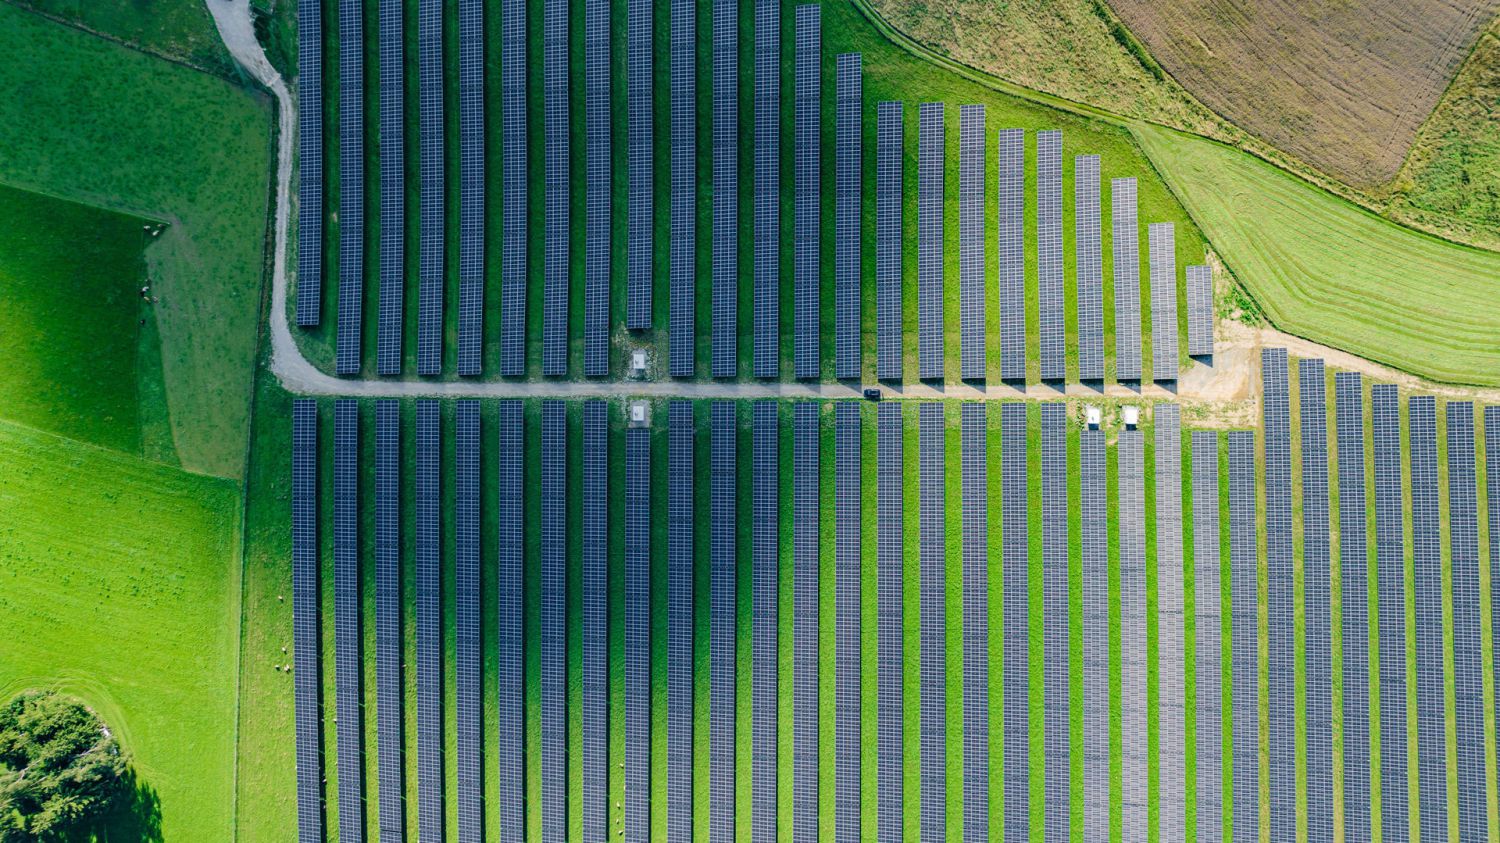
306, 626
513, 187
1089, 279
552, 621
1055, 647
1390, 570
1468, 656
594, 610
1278, 528
848, 693
556, 116
508, 637
767, 233
431, 143
1492, 489
1318, 647
931, 173
468, 646
1200, 301
389, 647
806, 172
1049, 254
1207, 672
1427, 579
1244, 639
471, 177
1016, 567
683, 245
1355, 601
976, 528
889, 143
1171, 684
722, 639
1012, 224
597, 220
309, 162
765, 503
351, 185
392, 190
889, 551
1093, 495
431, 815
1126, 247
971, 245
348, 649
847, 209
1161, 240
932, 536
726, 179
1131, 493
637, 635
638, 166
679, 620
805, 587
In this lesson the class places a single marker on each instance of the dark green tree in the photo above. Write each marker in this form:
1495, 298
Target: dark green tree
61, 772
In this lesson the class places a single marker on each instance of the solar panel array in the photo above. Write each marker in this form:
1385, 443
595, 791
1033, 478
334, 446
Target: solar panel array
431, 815
1171, 681
971, 168
848, 199
351, 185
1278, 530
932, 535
679, 620
556, 116
309, 162
1244, 639
597, 185
848, 693
552, 621
805, 663
508, 643
1131, 494
767, 227
1427, 579
1318, 646
722, 641
1200, 302
637, 635
1055, 644
1093, 494
471, 178
1049, 260
1468, 655
976, 631
468, 682
1390, 572
1492, 489
1161, 240
1126, 247
930, 189
1012, 225
1016, 567
807, 168
593, 729
1349, 424
638, 170
1090, 268
765, 505
431, 144
306, 629
348, 652
392, 188
682, 250
889, 203
889, 547
1207, 672
513, 270
726, 181
389, 678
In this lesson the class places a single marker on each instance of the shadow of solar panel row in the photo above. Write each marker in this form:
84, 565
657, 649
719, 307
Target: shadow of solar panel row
1089, 277
392, 188
389, 677
508, 644
722, 560
848, 206
1278, 528
1055, 647
764, 575
1492, 489
726, 181
1161, 241
1126, 248
971, 240
1049, 254
1200, 302
889, 551
1131, 494
1316, 597
468, 687
1093, 494
513, 272
1427, 580
1207, 670
767, 223
1016, 567
637, 635
679, 621
471, 180
638, 166
552, 623
306, 628
348, 652
848, 693
431, 144
805, 587
807, 222
556, 116
431, 815
976, 632
351, 185
932, 536
1011, 147
597, 183
1390, 571
931, 174
1349, 426
682, 250
310, 162
594, 611
889, 204
1244, 638
1468, 655
1171, 682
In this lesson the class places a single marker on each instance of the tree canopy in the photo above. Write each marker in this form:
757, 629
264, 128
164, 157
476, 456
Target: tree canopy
61, 770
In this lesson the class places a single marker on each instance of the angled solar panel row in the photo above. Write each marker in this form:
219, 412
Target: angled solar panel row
1200, 302
847, 209
469, 709
508, 638
552, 622
767, 228
514, 171
1244, 639
889, 202
594, 612
597, 179
1049, 253
1279, 611
392, 188
765, 504
306, 629
431, 143
1015, 567
1468, 656
1090, 268
848, 695
1317, 610
1492, 488
1055, 647
805, 585
807, 167
351, 185
1093, 494
471, 179
309, 162
930, 189
1161, 240
637, 635
1207, 672
1130, 452
638, 154
723, 509
1390, 572
556, 116
1126, 247
1171, 679
348, 652
389, 678
682, 250
1012, 225
1427, 579
431, 815
679, 620
971, 168
932, 535
726, 181
976, 632
1349, 424
889, 544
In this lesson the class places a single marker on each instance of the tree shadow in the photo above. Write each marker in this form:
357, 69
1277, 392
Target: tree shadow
135, 816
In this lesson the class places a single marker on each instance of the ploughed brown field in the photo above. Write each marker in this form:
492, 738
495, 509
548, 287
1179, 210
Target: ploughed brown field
1342, 84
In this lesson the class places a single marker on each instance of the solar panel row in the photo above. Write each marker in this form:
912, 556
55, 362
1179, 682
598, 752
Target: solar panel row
1161, 241
1049, 261
508, 639
637, 636
1468, 657
348, 652
594, 610
306, 629
1171, 681
597, 185
513, 269
767, 227
1207, 672
848, 200
309, 162
976, 632
392, 188
932, 535
431, 144
679, 620
1055, 646
931, 172
471, 177
971, 245
1427, 585
1131, 477
552, 621
889, 203
726, 178
723, 509
390, 681
1318, 646
849, 696
557, 116
806, 217
682, 257
351, 186
764, 657
1278, 529
889, 545
1126, 247
1016, 566
1354, 601
431, 815
1090, 268
1244, 639
1200, 302
1093, 494
1390, 571
1492, 489
468, 649
1012, 225
638, 154
805, 585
